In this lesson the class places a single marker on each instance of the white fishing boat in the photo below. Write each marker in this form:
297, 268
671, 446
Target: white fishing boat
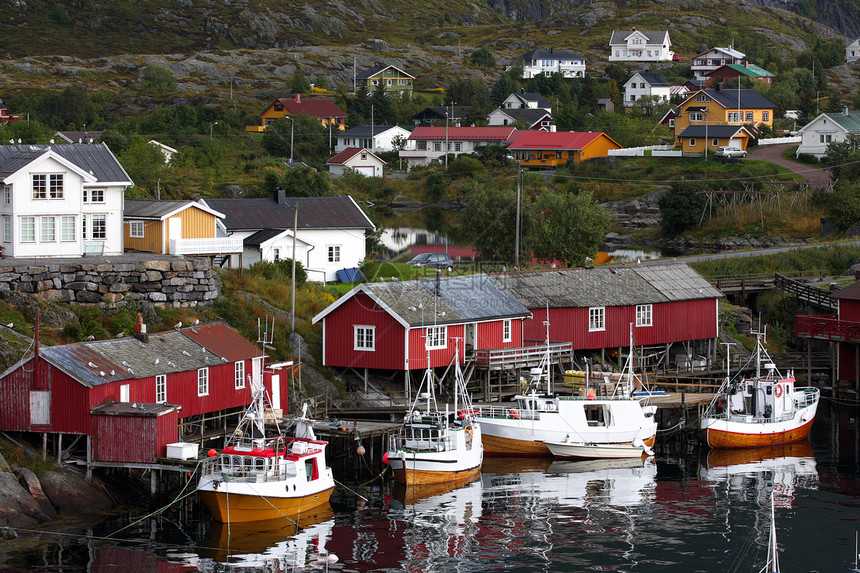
765, 410
262, 473
608, 415
583, 450
434, 445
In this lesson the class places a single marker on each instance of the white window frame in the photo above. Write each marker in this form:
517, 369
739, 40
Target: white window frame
734, 117
644, 315
7, 194
102, 230
136, 229
31, 236
94, 195
333, 253
364, 337
749, 117
765, 116
161, 389
506, 330
203, 381
40, 186
68, 228
692, 142
55, 186
436, 337
7, 228
239, 374
47, 229
697, 116
596, 318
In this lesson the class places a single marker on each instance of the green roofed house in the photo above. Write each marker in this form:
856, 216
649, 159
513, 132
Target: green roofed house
730, 71
827, 128
395, 80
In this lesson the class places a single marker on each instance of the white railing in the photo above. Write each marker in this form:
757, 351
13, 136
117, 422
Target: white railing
214, 246
667, 153
637, 151
780, 140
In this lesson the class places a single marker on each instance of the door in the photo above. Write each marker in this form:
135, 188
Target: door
40, 408
736, 143
366, 171
124, 393
276, 391
256, 373
174, 231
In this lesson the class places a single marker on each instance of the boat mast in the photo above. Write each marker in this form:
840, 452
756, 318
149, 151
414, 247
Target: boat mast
546, 355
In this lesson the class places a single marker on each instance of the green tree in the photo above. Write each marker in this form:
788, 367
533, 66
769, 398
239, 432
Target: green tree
487, 220
157, 78
567, 227
483, 57
384, 112
76, 109
843, 206
299, 83
321, 82
144, 163
680, 208
503, 87
305, 182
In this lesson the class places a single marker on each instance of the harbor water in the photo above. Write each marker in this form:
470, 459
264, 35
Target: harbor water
688, 511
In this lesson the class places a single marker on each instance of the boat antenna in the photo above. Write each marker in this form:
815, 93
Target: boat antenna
546, 354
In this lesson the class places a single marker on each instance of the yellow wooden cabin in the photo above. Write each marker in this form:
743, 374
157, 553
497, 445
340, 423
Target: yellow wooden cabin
322, 109
543, 149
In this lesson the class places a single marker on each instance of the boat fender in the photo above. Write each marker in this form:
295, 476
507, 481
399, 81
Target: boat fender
385, 458
212, 453
515, 414
778, 390
471, 412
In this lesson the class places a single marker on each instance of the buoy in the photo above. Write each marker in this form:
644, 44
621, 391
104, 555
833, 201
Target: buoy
212, 453
385, 458
591, 395
515, 414
360, 450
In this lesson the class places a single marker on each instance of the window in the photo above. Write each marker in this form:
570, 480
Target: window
94, 195
161, 389
239, 372
715, 142
458, 146
437, 337
506, 330
696, 116
749, 117
56, 185
365, 337
642, 85
765, 116
49, 229
643, 315
597, 318
734, 117
40, 186
67, 228
334, 253
7, 229
672, 122
702, 98
692, 142
28, 229
203, 382
276, 254
99, 227
84, 227
7, 194
437, 146
824, 138
135, 229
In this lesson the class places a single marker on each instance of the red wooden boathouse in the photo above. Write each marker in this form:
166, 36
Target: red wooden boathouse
391, 325
595, 308
129, 396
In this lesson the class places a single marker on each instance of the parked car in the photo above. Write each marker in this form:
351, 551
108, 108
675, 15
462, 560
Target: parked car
676, 58
730, 152
437, 260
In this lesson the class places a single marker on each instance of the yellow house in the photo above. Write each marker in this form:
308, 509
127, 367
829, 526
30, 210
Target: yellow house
175, 228
392, 78
711, 118
322, 109
551, 149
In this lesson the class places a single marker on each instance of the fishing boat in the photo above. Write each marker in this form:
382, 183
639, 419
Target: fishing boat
590, 450
606, 416
264, 474
765, 410
433, 445
772, 564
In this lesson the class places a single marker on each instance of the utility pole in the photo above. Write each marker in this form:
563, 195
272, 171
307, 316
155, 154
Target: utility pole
293, 306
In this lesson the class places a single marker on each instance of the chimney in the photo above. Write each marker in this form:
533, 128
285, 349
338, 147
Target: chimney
298, 98
140, 329
845, 111
280, 196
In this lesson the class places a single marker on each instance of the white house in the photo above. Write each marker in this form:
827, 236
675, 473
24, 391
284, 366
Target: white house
433, 143
167, 151
330, 237
709, 61
375, 138
646, 84
532, 118
61, 200
852, 51
357, 159
526, 100
640, 46
568, 64
816, 135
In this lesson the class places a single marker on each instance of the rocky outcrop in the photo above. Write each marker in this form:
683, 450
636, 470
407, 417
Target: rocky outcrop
71, 493
17, 506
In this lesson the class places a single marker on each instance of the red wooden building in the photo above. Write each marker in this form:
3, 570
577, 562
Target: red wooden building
391, 325
128, 396
843, 329
594, 309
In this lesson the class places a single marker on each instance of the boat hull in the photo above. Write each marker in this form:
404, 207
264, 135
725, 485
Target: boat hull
503, 446
564, 450
240, 508
719, 433
409, 476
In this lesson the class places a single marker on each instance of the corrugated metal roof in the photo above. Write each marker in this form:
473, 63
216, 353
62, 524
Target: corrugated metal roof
728, 98
850, 122
151, 209
222, 340
566, 140
260, 237
365, 130
461, 299
851, 292
677, 281
654, 79
267, 213
551, 54
718, 131
314, 107
84, 363
654, 37
372, 71
165, 353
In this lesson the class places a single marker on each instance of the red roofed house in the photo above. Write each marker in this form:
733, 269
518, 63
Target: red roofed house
358, 160
431, 143
132, 396
541, 149
325, 110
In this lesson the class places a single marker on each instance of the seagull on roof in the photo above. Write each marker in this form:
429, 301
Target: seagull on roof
9, 325
196, 322
121, 334
91, 337
178, 325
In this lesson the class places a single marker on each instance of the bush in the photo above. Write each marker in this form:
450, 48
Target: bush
158, 78
280, 269
464, 166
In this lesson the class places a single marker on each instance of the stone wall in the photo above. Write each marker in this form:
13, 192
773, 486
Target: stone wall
163, 281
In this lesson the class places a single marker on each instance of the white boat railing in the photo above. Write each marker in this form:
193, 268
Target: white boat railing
507, 413
421, 440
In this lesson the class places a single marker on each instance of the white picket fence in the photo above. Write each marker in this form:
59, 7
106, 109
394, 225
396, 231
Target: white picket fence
638, 151
780, 140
